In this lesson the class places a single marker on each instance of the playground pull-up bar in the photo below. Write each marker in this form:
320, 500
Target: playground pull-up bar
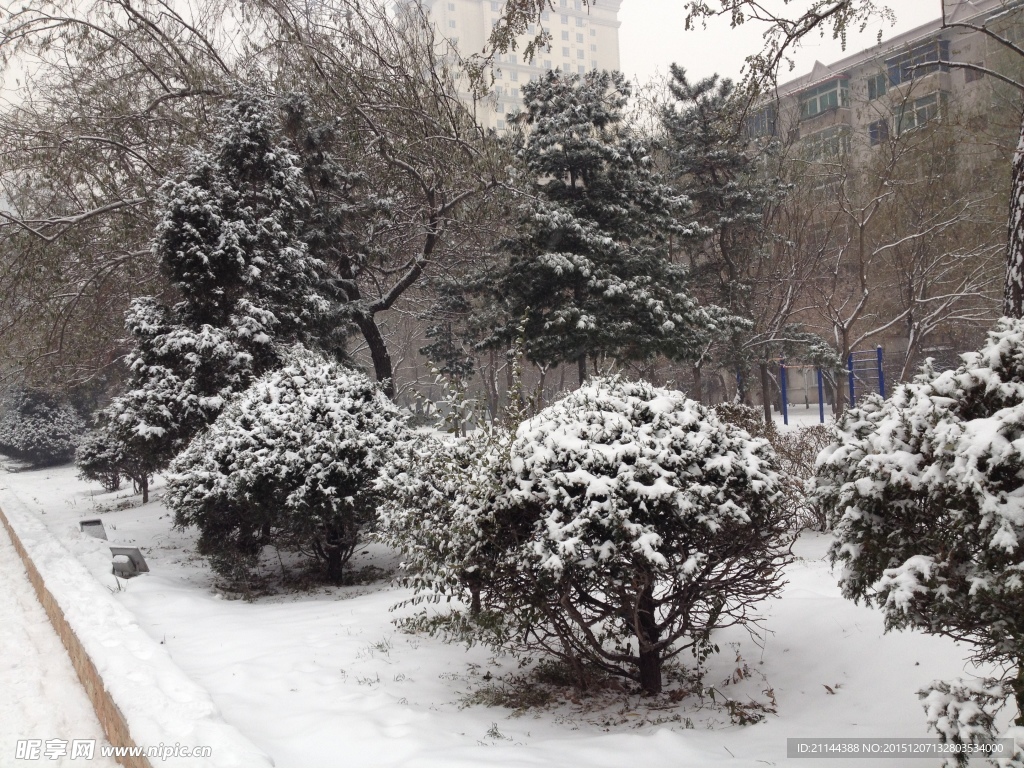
855, 364
785, 395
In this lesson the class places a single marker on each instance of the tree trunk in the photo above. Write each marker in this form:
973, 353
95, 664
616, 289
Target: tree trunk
1018, 694
335, 568
1013, 296
382, 367
145, 488
648, 635
766, 392
698, 393
581, 367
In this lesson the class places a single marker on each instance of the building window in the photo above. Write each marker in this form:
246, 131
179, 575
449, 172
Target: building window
878, 132
916, 113
972, 75
579, 37
513, 58
877, 86
593, 64
593, 32
580, 54
578, 5
545, 15
565, 18
498, 75
452, 23
580, 21
582, 69
565, 34
593, 47
451, 6
547, 63
565, 52
513, 76
918, 62
531, 29
828, 145
514, 93
835, 93
495, 6
761, 123
501, 125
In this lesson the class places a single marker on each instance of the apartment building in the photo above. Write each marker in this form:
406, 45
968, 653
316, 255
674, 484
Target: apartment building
861, 101
584, 36
901, 154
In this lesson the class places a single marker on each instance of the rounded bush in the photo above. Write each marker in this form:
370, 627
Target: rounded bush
40, 428
291, 462
622, 525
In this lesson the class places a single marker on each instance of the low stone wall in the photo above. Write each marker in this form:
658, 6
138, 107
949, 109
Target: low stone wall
141, 697
110, 717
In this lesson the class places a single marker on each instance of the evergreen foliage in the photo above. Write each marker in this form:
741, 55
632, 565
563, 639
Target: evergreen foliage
733, 188
39, 427
620, 527
925, 493
291, 462
591, 273
228, 242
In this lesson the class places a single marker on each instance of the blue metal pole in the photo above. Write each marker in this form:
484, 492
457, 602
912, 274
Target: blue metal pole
881, 375
849, 367
785, 397
821, 397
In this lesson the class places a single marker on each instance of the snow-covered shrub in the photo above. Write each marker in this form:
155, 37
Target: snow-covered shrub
291, 462
963, 712
621, 527
441, 491
798, 452
98, 459
746, 417
39, 427
926, 494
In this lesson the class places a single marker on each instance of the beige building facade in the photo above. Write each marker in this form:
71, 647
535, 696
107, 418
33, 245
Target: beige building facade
583, 37
847, 107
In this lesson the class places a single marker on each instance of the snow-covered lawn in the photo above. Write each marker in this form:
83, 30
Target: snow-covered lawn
323, 678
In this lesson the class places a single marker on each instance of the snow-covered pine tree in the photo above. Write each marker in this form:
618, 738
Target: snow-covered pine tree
926, 496
229, 243
732, 185
293, 462
592, 274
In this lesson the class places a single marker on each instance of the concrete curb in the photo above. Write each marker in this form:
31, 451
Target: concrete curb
114, 725
141, 697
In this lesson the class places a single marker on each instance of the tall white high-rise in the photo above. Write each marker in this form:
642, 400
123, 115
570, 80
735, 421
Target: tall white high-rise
584, 36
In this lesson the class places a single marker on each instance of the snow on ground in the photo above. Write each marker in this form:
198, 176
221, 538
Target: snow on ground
323, 678
42, 698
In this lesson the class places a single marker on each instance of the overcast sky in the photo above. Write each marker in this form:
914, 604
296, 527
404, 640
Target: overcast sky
652, 37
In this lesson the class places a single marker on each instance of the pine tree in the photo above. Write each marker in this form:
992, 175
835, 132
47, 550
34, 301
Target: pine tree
729, 181
591, 274
228, 242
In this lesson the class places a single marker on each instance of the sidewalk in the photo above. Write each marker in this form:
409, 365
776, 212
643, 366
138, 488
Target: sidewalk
42, 697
